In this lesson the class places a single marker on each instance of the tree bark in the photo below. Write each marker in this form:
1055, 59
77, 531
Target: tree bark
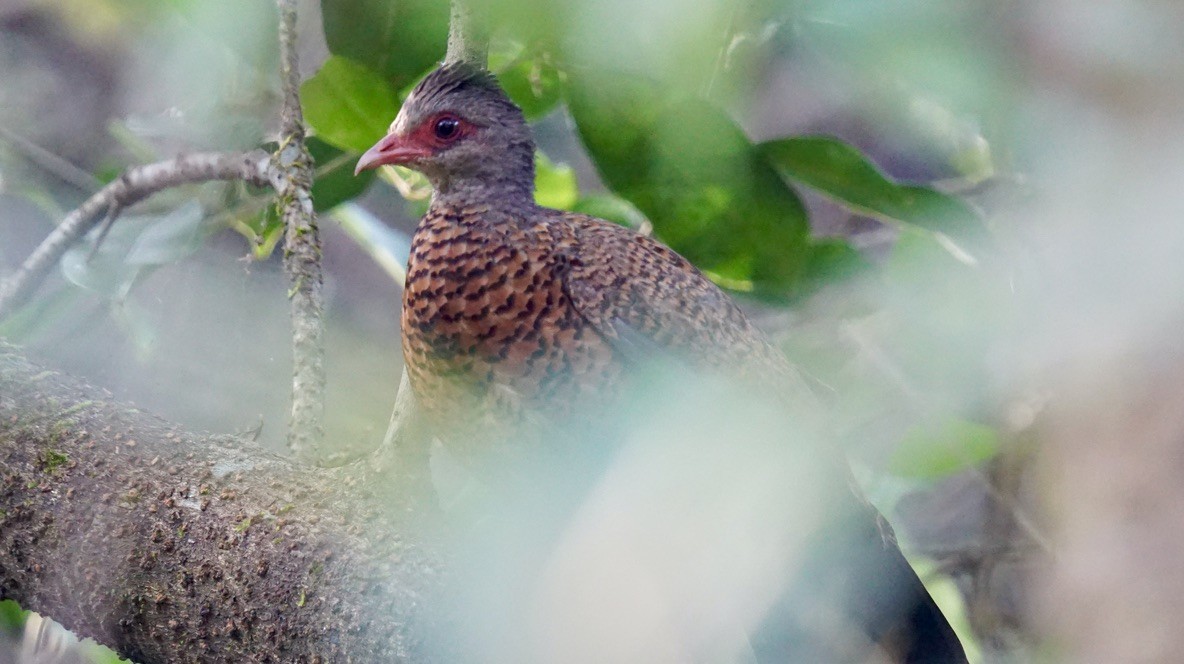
174, 547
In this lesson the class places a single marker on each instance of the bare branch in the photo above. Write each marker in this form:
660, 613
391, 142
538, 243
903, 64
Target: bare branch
49, 161
467, 41
302, 252
133, 186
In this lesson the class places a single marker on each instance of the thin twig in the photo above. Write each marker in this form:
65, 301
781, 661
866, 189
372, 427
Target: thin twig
50, 162
133, 186
293, 176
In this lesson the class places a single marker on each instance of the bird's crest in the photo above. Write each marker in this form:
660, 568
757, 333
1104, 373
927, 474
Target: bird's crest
453, 77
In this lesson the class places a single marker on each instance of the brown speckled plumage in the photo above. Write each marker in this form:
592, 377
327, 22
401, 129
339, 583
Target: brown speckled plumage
535, 311
489, 330
515, 313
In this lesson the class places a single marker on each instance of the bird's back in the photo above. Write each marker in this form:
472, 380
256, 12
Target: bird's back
546, 309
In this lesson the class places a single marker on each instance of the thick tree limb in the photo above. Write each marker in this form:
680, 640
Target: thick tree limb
173, 547
302, 253
133, 186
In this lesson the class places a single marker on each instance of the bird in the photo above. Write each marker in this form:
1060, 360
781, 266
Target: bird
514, 312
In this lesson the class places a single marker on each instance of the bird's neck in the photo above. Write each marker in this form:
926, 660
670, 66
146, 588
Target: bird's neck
496, 194
504, 180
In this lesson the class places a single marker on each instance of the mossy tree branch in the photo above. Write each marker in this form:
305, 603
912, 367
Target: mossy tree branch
302, 253
173, 547
468, 40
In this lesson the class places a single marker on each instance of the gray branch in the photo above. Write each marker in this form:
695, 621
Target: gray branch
467, 39
133, 186
302, 253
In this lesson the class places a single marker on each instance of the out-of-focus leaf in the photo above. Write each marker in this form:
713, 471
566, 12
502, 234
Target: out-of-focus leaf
237, 26
12, 617
139, 325
954, 445
99, 654
937, 72
398, 39
262, 230
831, 260
963, 307
611, 208
532, 83
106, 273
171, 238
842, 173
554, 184
349, 105
335, 182
387, 246
133, 244
214, 62
694, 174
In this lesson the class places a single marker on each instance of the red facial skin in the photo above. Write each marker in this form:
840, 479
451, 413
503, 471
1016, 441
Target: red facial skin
419, 143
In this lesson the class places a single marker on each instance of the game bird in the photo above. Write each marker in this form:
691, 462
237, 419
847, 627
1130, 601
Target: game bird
513, 312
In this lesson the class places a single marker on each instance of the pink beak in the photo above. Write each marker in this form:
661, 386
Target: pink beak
392, 149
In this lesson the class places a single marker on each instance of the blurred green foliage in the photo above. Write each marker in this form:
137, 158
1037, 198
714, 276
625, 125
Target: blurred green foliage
694, 174
12, 617
396, 40
841, 172
937, 451
657, 93
648, 115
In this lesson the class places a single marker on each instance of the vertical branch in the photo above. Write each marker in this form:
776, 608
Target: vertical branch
302, 252
467, 41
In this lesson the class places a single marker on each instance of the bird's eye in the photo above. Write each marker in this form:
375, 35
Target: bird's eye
446, 128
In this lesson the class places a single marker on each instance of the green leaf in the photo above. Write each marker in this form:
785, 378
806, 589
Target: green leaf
684, 163
533, 84
139, 325
831, 260
263, 231
397, 39
348, 105
842, 173
12, 617
554, 184
952, 446
335, 182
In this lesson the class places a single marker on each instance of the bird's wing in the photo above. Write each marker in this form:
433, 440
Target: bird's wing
645, 298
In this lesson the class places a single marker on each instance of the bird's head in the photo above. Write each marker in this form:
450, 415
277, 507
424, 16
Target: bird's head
460, 129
